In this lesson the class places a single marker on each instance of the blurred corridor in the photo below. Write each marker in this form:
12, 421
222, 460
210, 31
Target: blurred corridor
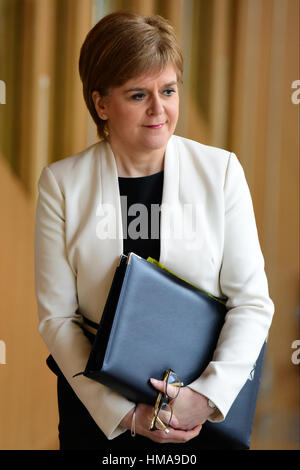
241, 92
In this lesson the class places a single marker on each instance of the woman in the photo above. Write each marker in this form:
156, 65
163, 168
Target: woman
130, 68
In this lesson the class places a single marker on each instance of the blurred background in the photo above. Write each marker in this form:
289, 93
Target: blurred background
241, 92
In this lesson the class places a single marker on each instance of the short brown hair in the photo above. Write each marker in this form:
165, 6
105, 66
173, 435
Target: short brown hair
121, 46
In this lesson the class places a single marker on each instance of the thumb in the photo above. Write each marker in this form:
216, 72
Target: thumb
158, 384
174, 422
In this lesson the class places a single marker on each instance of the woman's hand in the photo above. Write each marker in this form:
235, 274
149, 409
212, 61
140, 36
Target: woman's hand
190, 408
143, 418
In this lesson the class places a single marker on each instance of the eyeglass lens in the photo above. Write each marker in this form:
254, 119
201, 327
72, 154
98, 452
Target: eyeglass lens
173, 385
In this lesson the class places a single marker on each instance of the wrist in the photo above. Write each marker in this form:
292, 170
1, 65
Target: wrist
127, 420
214, 411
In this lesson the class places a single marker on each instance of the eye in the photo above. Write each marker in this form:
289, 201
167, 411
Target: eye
138, 96
169, 91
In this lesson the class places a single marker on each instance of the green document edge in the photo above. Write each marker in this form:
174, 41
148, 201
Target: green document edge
157, 263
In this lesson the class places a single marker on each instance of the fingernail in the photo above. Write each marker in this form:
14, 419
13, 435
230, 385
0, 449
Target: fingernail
154, 381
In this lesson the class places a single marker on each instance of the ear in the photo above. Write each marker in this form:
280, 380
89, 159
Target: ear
100, 104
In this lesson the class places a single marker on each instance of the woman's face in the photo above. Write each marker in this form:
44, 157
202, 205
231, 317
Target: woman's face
142, 114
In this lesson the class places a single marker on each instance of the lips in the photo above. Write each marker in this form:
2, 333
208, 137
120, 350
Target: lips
156, 126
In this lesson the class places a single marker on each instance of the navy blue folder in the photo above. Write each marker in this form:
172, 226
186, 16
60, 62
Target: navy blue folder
153, 321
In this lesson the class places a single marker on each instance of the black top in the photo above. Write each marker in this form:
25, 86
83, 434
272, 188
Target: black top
140, 202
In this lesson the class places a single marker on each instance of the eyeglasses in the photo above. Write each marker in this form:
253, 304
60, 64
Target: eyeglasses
162, 409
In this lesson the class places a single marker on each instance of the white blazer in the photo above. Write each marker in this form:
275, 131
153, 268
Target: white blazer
74, 264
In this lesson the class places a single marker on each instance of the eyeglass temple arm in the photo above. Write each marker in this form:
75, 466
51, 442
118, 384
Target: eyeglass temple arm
165, 429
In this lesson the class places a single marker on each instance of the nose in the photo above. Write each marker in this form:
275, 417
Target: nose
156, 106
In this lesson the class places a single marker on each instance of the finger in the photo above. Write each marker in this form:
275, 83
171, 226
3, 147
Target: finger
175, 436
185, 436
158, 384
174, 422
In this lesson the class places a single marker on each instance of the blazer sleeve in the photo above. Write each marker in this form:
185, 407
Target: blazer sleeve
59, 325
250, 309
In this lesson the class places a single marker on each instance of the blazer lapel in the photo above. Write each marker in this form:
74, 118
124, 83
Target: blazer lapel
110, 198
170, 201
181, 244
